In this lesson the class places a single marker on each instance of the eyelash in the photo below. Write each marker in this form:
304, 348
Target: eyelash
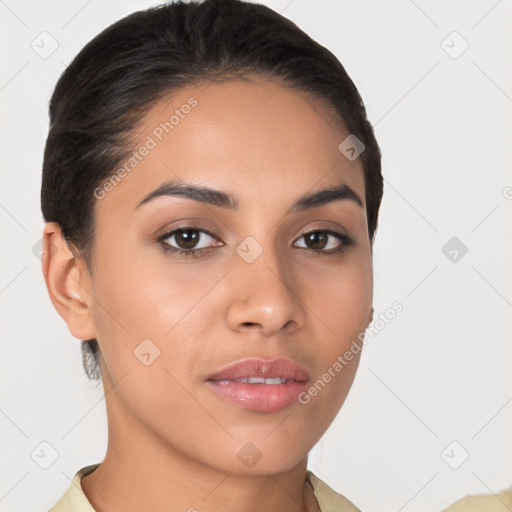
345, 240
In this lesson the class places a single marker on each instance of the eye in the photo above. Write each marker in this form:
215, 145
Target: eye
193, 241
187, 241
326, 241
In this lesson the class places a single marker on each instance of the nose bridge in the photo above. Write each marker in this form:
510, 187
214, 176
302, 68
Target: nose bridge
265, 296
261, 261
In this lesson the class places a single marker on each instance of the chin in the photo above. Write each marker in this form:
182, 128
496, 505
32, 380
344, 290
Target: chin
256, 459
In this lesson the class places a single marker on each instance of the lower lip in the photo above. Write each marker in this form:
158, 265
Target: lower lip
258, 397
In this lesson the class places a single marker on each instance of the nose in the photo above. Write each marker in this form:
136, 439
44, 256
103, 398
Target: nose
266, 297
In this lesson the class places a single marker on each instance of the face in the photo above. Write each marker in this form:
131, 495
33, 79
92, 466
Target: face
185, 287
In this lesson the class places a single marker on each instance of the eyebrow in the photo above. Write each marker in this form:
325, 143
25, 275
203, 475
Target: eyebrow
226, 200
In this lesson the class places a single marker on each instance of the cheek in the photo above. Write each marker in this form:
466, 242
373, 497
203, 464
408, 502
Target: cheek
342, 304
343, 309
150, 306
135, 298
144, 317
342, 298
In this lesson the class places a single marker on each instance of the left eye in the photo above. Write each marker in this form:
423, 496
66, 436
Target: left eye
319, 241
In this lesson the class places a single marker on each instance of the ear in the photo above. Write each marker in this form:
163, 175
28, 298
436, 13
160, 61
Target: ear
68, 283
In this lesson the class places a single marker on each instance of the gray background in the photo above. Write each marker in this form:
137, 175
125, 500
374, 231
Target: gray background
439, 373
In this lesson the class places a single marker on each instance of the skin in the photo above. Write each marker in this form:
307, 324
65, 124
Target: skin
173, 443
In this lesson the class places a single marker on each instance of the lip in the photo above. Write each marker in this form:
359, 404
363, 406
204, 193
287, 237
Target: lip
260, 397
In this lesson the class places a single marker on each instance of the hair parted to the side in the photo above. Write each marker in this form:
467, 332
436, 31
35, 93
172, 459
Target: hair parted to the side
123, 71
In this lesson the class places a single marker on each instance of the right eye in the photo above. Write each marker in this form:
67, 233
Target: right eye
184, 241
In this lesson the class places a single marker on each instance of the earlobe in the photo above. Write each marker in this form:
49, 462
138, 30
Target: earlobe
370, 316
67, 281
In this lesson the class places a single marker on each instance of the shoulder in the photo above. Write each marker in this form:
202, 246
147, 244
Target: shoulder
74, 499
328, 499
499, 502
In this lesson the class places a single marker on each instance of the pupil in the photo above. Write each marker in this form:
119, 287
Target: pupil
315, 238
187, 239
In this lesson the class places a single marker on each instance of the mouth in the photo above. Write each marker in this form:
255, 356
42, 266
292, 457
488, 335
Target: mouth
260, 385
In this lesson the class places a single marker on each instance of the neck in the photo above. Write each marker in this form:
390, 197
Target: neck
142, 472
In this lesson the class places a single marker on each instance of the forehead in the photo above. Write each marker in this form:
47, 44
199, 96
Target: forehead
246, 136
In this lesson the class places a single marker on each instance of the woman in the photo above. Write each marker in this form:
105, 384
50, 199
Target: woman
211, 188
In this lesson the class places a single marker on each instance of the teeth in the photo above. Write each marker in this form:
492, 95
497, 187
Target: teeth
256, 380
262, 380
275, 380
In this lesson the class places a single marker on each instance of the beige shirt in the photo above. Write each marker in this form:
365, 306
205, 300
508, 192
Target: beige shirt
74, 499
499, 502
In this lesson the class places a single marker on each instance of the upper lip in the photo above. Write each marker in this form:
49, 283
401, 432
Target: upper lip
255, 367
